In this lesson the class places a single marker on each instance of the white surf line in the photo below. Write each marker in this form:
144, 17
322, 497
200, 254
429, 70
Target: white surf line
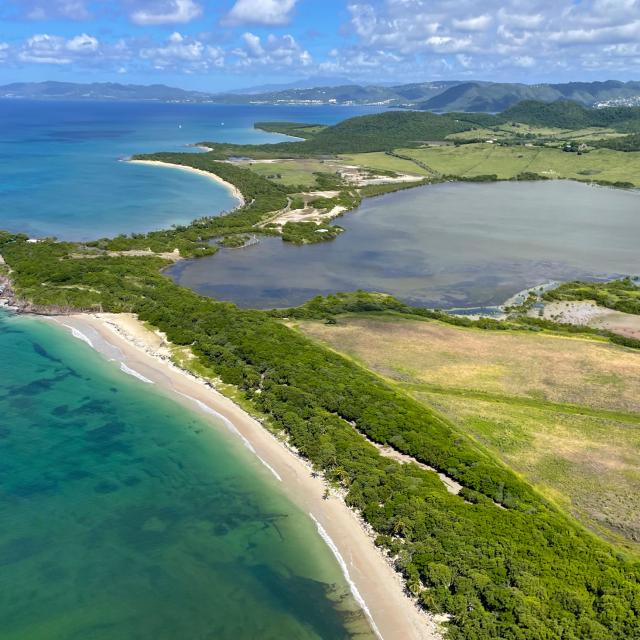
79, 335
134, 373
207, 409
345, 571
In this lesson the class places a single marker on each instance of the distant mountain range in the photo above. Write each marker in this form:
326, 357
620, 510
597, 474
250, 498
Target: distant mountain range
440, 96
495, 97
303, 83
99, 91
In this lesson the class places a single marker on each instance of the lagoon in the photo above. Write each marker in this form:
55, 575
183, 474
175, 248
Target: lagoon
448, 245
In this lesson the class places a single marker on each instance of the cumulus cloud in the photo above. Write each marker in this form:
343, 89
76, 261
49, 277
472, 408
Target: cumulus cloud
525, 62
276, 52
436, 34
266, 12
83, 44
604, 35
184, 53
397, 40
44, 48
479, 23
166, 12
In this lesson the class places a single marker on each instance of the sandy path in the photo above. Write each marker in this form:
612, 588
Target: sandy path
394, 615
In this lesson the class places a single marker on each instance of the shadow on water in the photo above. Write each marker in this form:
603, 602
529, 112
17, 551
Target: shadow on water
330, 616
126, 517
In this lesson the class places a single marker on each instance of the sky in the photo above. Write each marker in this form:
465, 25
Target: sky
216, 45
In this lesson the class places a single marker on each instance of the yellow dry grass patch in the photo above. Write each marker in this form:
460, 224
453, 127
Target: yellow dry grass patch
505, 390
575, 370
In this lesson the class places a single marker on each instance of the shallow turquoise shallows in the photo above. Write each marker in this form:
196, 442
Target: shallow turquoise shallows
123, 516
60, 172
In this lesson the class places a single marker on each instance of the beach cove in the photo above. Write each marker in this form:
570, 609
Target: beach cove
157, 522
378, 589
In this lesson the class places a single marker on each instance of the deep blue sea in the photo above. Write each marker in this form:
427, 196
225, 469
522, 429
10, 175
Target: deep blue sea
60, 172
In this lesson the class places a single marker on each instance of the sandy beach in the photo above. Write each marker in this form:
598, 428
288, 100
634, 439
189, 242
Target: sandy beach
207, 174
379, 589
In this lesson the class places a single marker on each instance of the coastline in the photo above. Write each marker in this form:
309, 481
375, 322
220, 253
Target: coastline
235, 192
377, 587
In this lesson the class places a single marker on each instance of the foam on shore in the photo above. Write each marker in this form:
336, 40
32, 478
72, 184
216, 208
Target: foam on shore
345, 571
234, 430
134, 373
79, 335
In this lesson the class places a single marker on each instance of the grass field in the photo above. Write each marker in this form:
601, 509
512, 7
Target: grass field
384, 162
562, 411
507, 162
291, 172
560, 135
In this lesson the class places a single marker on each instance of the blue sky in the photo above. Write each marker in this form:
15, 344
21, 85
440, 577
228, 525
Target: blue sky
223, 44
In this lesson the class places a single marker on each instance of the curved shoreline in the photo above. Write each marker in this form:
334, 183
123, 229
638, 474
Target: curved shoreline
235, 192
146, 354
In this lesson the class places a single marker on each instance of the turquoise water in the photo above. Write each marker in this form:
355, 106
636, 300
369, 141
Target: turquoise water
60, 175
122, 515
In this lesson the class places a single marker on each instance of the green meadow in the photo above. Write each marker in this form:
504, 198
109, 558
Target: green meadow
507, 162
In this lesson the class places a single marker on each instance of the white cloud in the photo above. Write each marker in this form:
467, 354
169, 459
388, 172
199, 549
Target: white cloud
607, 35
520, 20
393, 40
544, 35
275, 52
479, 23
267, 12
185, 53
43, 48
447, 44
51, 9
83, 44
253, 45
168, 12
526, 62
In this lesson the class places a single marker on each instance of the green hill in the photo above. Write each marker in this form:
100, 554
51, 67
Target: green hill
494, 96
565, 114
362, 134
477, 97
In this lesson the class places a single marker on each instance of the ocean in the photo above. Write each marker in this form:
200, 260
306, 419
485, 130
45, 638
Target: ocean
60, 173
122, 515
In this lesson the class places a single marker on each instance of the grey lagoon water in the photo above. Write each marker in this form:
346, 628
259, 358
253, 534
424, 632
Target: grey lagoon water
123, 515
448, 245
